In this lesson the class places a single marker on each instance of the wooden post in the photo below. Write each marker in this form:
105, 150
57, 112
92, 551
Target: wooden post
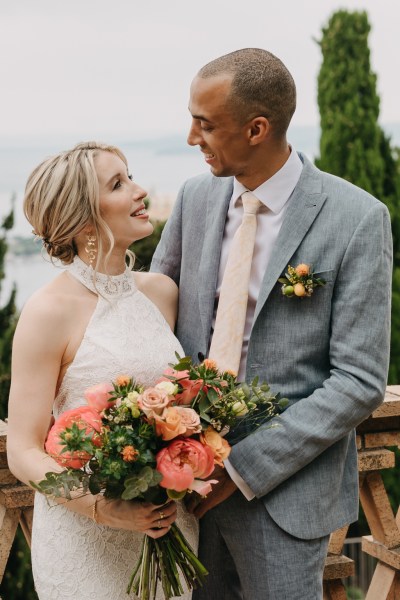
16, 505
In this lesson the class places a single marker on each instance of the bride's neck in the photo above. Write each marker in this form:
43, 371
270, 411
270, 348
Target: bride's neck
115, 265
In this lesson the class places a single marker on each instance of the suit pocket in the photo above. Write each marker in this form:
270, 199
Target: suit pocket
327, 275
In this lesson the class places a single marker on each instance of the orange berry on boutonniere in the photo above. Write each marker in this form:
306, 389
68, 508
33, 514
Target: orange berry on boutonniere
302, 270
299, 290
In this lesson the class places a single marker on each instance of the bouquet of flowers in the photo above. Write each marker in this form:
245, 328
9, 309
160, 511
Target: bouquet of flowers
153, 444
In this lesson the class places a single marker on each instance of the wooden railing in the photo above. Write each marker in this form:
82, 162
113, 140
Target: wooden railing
375, 436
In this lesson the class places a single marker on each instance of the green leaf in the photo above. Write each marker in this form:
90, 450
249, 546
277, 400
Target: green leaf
212, 395
176, 495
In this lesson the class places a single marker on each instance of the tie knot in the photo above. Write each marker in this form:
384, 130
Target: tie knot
251, 204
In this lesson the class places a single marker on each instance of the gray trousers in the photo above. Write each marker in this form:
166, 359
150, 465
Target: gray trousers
250, 558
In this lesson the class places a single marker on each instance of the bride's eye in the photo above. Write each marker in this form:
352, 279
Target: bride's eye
117, 185
130, 176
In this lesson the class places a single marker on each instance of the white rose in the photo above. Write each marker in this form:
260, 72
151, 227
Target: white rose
168, 387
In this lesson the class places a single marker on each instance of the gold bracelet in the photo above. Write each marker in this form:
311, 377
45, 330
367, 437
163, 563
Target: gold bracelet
94, 510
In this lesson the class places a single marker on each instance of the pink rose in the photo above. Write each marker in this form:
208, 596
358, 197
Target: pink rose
98, 396
87, 419
153, 401
183, 461
190, 387
190, 420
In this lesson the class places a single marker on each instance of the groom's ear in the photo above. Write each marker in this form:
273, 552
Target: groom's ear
258, 130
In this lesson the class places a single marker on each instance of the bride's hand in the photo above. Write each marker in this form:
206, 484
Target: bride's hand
154, 520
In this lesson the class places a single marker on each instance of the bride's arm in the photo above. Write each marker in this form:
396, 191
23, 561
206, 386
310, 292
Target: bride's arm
39, 346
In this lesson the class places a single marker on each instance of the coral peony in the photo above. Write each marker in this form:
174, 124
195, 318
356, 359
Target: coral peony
183, 461
98, 396
87, 419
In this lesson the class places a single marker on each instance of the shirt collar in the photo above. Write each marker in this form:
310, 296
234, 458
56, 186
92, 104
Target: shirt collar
276, 191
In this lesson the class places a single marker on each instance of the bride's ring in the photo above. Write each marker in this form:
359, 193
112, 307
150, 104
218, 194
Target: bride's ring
159, 524
160, 512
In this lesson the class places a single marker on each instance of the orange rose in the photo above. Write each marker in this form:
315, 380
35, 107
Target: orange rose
169, 425
220, 447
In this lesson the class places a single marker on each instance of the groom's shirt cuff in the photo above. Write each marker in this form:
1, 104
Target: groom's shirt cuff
242, 485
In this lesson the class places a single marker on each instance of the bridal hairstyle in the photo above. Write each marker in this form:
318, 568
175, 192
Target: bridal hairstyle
62, 199
261, 86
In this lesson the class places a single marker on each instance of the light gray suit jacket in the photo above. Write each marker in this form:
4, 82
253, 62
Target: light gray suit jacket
327, 353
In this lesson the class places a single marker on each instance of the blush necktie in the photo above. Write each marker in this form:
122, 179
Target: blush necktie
227, 340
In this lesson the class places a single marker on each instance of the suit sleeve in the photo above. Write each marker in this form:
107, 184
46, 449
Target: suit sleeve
359, 357
168, 255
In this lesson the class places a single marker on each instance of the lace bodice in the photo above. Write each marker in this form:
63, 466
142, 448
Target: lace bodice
126, 334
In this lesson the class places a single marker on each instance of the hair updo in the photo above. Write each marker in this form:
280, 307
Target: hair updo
62, 198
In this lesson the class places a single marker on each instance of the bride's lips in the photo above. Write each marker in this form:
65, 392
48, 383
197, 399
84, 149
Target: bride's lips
140, 213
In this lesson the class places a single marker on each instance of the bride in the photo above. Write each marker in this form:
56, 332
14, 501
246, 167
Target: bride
94, 321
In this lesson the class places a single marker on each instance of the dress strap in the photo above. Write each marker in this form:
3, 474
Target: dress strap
108, 286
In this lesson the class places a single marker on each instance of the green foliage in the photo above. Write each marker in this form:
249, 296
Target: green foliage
8, 318
354, 593
349, 104
352, 144
17, 581
144, 249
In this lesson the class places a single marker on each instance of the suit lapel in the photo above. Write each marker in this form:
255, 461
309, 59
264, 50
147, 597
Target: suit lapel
304, 206
217, 206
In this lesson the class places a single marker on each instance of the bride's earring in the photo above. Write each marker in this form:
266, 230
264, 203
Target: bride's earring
90, 248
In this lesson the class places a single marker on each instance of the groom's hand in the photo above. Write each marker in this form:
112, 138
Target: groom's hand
220, 492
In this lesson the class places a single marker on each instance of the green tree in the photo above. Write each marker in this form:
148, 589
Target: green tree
8, 317
17, 581
352, 144
144, 249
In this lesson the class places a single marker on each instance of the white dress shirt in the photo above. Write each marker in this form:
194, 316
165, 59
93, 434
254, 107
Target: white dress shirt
275, 194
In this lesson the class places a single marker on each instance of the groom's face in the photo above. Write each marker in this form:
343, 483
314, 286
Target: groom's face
222, 139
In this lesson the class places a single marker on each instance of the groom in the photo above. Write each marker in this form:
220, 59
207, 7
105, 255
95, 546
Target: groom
265, 526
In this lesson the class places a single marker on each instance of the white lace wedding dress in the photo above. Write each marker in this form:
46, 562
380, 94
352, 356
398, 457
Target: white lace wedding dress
72, 556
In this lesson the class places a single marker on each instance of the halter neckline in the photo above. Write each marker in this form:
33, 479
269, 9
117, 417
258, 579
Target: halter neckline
108, 286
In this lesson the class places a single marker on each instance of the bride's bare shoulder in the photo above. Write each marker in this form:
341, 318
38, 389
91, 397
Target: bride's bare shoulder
162, 291
156, 283
56, 303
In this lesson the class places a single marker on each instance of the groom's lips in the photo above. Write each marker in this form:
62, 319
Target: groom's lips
208, 156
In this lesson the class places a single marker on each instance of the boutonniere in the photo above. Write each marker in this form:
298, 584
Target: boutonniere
300, 281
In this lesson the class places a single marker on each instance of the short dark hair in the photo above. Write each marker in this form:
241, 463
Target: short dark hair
261, 86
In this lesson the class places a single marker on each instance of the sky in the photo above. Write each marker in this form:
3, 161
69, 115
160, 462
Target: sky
91, 69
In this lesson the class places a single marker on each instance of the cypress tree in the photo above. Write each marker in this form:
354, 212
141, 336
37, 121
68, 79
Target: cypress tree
352, 144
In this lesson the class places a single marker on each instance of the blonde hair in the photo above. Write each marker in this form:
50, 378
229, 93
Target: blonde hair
62, 198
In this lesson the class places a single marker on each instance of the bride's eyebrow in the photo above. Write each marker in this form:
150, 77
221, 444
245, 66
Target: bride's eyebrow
116, 176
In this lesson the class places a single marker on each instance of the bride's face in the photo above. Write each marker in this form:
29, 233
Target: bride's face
121, 200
